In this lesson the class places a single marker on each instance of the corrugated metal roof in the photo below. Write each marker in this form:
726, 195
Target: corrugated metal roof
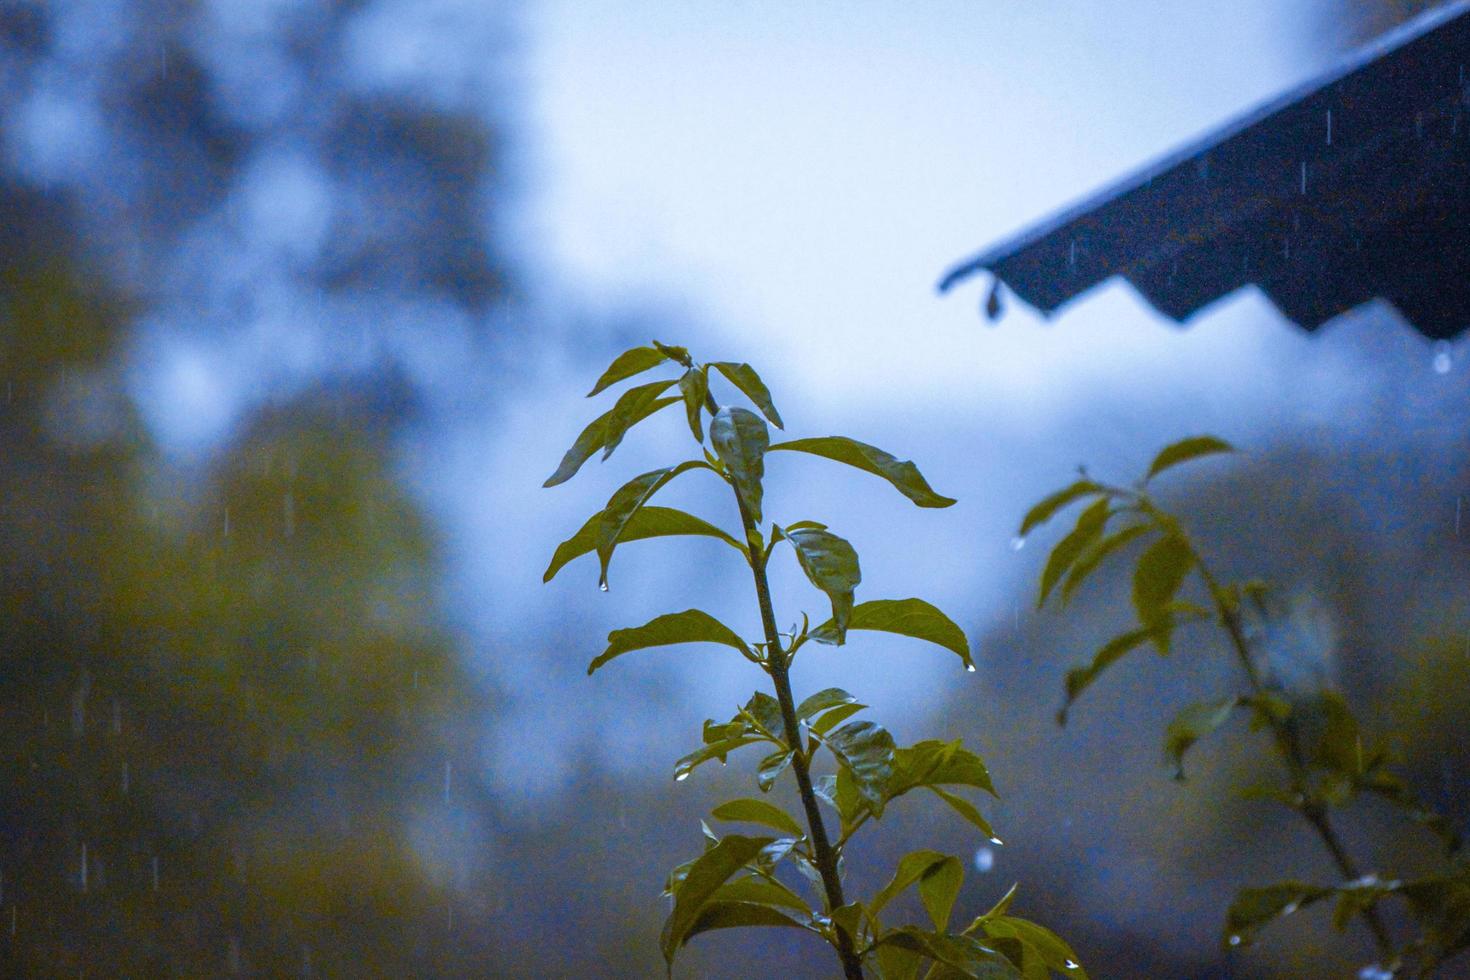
1352, 187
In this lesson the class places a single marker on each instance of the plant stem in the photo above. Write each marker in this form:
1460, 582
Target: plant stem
1312, 810
822, 853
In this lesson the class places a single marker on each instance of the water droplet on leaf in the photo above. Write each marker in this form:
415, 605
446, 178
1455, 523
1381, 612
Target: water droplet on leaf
1235, 940
969, 668
602, 586
1017, 543
1071, 964
680, 777
996, 841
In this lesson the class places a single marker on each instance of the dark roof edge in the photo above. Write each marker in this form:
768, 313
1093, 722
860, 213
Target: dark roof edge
1399, 36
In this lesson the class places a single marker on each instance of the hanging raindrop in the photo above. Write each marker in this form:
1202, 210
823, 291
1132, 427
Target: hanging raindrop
969, 668
679, 777
1017, 543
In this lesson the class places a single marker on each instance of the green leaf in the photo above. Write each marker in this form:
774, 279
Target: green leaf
626, 502
1090, 525
771, 768
1340, 747
689, 626
911, 867
903, 474
906, 617
714, 750
831, 564
1185, 450
939, 886
1160, 571
1255, 908
1095, 554
1049, 505
1000, 907
935, 763
897, 963
963, 953
743, 376
719, 914
865, 749
708, 872
762, 891
635, 405
740, 439
646, 522
1441, 907
1356, 897
694, 386
1080, 679
836, 716
627, 364
1037, 941
758, 811
763, 713
829, 698
849, 918
1192, 724
630, 409
967, 810
679, 355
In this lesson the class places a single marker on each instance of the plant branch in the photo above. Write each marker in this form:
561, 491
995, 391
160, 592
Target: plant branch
1312, 810
824, 856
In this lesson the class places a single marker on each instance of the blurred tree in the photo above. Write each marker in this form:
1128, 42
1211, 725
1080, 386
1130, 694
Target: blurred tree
227, 699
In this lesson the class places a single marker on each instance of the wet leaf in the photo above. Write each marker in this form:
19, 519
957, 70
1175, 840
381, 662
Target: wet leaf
904, 475
911, 867
906, 617
743, 376
822, 700
708, 872
865, 749
627, 364
1185, 450
771, 768
646, 522
1039, 942
1256, 908
740, 439
935, 763
694, 386
831, 564
689, 626
1049, 505
967, 810
622, 416
836, 716
1192, 724
1080, 679
626, 502
758, 811
714, 750
635, 405
762, 891
1095, 554
1160, 571
939, 886
1090, 525
963, 953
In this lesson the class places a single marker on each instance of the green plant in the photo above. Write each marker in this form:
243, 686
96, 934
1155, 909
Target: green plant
1327, 759
741, 881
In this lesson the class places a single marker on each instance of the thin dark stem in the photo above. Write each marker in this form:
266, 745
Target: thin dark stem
1312, 810
822, 853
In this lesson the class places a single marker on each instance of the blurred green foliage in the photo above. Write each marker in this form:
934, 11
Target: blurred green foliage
227, 694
